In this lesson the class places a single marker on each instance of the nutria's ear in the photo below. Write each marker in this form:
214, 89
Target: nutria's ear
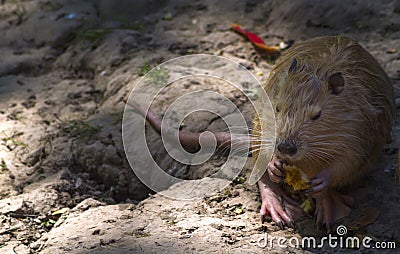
336, 83
293, 65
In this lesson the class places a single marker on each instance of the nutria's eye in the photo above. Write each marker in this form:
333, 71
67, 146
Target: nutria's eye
336, 83
293, 66
277, 109
317, 116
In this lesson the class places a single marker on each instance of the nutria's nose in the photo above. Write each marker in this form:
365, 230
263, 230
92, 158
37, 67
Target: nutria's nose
289, 148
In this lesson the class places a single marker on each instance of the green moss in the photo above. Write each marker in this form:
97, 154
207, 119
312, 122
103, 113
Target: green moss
239, 180
50, 223
79, 129
117, 117
3, 165
226, 192
93, 35
158, 77
145, 68
12, 140
142, 234
20, 12
136, 26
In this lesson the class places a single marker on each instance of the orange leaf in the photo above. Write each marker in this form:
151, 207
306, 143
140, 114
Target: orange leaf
268, 49
256, 40
251, 36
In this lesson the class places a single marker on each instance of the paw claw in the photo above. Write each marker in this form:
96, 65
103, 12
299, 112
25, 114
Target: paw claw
280, 225
264, 218
282, 209
330, 207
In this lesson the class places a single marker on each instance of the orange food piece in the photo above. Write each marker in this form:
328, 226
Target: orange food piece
294, 178
307, 206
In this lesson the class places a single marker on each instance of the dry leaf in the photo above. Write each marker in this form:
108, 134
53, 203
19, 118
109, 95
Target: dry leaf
368, 217
391, 51
61, 211
239, 210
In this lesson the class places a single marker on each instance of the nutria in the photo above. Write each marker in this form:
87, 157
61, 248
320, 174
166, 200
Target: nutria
334, 108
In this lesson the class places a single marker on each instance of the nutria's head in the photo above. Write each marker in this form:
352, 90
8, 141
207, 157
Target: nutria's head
306, 119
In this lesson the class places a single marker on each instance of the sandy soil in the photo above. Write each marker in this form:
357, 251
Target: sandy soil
67, 67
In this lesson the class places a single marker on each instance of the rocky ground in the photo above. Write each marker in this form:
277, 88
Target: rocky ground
67, 68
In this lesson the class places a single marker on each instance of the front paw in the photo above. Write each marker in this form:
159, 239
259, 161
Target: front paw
320, 182
275, 170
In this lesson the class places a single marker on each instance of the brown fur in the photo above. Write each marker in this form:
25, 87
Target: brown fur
354, 125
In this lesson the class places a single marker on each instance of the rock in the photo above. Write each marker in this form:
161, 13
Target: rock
14, 247
21, 249
11, 205
86, 204
33, 157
